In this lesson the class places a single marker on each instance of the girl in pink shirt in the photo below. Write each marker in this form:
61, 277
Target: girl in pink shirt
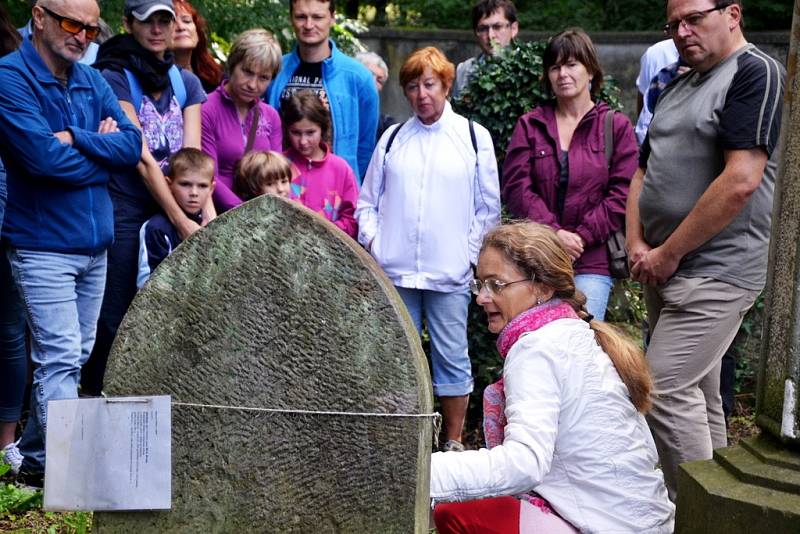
322, 181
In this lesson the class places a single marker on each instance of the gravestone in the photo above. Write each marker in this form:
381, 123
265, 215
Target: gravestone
754, 487
272, 307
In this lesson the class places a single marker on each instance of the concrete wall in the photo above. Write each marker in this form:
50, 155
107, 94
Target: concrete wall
619, 55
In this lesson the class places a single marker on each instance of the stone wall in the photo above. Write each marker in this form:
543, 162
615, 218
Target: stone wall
619, 56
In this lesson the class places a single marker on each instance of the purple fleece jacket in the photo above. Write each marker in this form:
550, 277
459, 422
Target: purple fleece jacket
327, 187
594, 206
225, 137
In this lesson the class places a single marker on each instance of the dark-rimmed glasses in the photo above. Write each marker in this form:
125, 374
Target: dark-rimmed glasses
493, 286
692, 20
497, 27
74, 26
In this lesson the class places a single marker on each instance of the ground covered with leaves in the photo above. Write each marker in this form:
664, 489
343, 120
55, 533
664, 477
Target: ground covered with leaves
21, 512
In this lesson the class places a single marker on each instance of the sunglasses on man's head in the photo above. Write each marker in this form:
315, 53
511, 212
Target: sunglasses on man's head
74, 26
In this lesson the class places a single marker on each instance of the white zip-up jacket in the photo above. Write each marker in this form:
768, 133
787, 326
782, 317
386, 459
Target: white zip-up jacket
425, 206
573, 436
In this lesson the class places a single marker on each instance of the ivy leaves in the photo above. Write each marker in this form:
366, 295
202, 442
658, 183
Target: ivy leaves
507, 85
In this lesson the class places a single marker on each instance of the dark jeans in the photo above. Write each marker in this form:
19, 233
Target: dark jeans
123, 260
727, 381
13, 357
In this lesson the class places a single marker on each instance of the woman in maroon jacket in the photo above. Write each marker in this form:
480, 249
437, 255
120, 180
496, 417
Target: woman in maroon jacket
556, 172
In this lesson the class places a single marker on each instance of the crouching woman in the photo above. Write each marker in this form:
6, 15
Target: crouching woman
568, 448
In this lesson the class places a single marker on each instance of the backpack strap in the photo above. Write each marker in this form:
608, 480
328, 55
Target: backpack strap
175, 80
391, 140
135, 89
178, 87
609, 136
472, 136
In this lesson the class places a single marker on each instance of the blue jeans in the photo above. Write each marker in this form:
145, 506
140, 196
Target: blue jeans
13, 359
597, 288
446, 318
61, 296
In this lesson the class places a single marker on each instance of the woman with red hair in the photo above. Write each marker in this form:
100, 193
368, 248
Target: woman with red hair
430, 194
190, 46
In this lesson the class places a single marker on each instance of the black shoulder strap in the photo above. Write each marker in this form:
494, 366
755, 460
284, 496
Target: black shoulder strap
472, 136
609, 136
391, 138
396, 130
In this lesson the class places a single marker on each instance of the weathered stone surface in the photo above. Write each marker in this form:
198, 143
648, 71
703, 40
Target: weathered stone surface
779, 370
747, 489
273, 307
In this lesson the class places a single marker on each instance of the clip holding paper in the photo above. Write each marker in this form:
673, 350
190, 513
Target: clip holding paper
127, 400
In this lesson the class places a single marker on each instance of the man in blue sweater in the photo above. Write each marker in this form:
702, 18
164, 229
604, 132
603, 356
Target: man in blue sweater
341, 82
61, 133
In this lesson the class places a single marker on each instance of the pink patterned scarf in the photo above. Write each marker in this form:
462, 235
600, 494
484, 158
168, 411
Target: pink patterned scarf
494, 397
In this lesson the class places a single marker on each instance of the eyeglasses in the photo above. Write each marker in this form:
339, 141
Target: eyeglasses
74, 26
494, 287
497, 27
692, 20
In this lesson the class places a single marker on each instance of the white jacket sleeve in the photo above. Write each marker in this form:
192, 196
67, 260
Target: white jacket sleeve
370, 195
533, 379
486, 193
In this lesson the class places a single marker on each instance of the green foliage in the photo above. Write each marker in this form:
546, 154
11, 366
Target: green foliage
19, 11
507, 85
747, 346
14, 501
20, 511
72, 523
227, 18
592, 15
626, 304
487, 366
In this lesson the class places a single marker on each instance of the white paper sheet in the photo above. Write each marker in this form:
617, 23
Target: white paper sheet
109, 454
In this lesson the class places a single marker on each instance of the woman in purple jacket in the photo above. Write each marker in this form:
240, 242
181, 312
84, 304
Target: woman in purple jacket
230, 112
556, 172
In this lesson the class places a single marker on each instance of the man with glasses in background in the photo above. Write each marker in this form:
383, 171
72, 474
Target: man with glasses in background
61, 132
698, 219
495, 25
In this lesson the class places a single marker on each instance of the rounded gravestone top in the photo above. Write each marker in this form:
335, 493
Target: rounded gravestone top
272, 306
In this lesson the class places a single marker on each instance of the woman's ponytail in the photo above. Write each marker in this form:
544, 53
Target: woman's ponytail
629, 361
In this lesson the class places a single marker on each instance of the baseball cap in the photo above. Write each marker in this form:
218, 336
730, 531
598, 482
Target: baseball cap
141, 9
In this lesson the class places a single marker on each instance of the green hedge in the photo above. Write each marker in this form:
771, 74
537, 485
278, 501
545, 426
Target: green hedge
226, 19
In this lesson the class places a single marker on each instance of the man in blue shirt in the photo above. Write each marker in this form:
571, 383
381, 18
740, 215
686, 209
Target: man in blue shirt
342, 83
61, 133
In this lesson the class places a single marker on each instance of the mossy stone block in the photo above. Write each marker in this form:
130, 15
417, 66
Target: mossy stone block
271, 306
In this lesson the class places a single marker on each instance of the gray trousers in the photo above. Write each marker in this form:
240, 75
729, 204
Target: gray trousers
693, 321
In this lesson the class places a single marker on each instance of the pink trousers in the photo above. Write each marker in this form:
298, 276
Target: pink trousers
498, 515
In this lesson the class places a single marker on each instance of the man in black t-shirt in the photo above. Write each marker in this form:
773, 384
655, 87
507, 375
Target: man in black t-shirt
342, 83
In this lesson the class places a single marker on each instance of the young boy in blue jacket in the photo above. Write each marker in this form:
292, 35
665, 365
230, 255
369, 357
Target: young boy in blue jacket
191, 181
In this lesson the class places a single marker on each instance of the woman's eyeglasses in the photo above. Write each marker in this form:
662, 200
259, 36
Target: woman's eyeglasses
74, 26
493, 286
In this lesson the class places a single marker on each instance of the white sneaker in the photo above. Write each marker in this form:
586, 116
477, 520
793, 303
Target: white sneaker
12, 456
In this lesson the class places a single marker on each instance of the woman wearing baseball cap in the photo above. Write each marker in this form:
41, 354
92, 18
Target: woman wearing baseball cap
164, 101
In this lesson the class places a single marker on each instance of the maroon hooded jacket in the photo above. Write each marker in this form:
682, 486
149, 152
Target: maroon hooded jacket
594, 205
